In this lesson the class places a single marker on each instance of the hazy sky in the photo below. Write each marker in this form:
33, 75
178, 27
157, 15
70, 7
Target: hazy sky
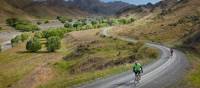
136, 2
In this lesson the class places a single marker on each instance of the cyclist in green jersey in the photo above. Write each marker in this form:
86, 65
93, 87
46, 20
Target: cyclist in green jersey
137, 69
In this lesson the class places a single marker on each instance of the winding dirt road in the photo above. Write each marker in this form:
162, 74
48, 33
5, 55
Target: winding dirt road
162, 73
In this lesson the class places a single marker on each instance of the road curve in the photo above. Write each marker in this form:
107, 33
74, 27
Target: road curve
162, 73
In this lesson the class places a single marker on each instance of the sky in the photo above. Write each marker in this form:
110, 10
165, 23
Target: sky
136, 2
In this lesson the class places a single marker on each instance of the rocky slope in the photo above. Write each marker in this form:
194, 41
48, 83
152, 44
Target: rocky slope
53, 8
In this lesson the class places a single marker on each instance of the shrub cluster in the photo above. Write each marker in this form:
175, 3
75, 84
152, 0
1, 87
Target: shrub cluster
91, 23
19, 38
33, 45
21, 25
53, 43
46, 21
52, 36
55, 32
62, 19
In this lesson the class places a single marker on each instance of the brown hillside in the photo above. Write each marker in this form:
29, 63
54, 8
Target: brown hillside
171, 21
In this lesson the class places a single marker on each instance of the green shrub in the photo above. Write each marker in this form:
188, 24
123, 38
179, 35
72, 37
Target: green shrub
62, 19
15, 40
94, 22
114, 22
89, 26
39, 35
68, 25
33, 45
26, 27
39, 23
132, 19
24, 37
124, 21
22, 25
70, 20
12, 21
53, 43
46, 21
77, 25
54, 32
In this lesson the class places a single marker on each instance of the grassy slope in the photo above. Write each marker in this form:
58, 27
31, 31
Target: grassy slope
16, 64
192, 79
104, 50
162, 29
20, 69
9, 11
157, 27
12, 8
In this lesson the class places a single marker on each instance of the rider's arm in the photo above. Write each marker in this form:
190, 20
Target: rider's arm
142, 69
133, 68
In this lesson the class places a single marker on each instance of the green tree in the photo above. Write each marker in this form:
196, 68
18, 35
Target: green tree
53, 43
33, 45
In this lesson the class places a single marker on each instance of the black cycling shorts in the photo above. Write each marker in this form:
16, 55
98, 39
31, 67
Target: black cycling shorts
137, 72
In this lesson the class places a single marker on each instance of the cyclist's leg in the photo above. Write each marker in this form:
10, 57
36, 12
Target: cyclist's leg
137, 76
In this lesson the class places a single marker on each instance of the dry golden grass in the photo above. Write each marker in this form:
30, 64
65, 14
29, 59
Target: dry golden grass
99, 57
159, 29
17, 66
155, 28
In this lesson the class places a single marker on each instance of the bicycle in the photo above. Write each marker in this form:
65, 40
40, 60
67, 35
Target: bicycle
137, 79
171, 52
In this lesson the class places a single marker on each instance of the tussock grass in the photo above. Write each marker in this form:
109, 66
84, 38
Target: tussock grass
192, 78
98, 57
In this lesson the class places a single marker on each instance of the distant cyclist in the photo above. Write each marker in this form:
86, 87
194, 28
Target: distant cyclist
171, 51
137, 69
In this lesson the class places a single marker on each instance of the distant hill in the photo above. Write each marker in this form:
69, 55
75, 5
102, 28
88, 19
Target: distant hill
53, 8
98, 7
142, 10
46, 8
167, 21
